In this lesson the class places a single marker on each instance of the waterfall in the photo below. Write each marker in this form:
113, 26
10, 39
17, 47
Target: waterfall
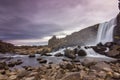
105, 31
105, 34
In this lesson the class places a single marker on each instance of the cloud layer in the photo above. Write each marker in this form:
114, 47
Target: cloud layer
35, 21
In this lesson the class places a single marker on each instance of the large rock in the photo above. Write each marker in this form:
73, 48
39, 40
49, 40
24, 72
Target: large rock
70, 54
114, 52
101, 66
81, 53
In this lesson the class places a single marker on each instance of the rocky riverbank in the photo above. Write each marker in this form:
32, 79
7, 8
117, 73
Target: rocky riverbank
66, 70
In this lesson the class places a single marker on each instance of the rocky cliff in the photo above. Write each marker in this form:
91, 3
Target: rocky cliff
82, 37
6, 47
117, 30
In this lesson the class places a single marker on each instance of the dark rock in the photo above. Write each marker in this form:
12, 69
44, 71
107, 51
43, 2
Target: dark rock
70, 54
75, 60
117, 30
115, 53
18, 62
58, 55
65, 59
109, 44
100, 44
99, 49
81, 53
11, 64
42, 61
39, 59
31, 55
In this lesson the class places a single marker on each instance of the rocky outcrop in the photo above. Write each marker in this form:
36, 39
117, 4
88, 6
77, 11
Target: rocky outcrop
117, 29
6, 47
81, 37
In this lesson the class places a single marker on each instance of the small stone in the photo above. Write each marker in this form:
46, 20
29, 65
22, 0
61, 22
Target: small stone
13, 77
31, 55
30, 78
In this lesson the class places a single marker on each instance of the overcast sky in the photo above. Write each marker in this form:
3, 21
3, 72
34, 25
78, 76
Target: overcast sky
33, 22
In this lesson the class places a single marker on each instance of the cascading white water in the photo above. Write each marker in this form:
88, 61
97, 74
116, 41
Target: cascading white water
105, 34
105, 31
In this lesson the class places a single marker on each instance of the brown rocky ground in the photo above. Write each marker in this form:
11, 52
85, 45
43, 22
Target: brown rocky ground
28, 50
66, 70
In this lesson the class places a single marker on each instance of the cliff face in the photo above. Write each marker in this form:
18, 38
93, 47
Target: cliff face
78, 38
117, 30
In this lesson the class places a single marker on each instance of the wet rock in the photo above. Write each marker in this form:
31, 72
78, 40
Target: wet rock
11, 64
67, 60
115, 53
109, 44
100, 44
99, 49
58, 55
31, 55
18, 62
70, 54
75, 60
81, 53
39, 58
42, 61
